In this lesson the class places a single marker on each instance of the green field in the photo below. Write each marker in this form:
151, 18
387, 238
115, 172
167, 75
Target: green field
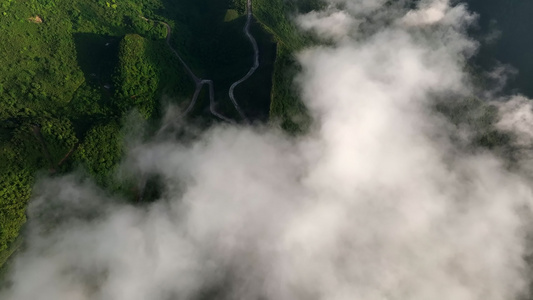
231, 14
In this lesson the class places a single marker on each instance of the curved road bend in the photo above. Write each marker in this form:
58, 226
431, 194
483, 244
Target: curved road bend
195, 78
256, 60
212, 104
199, 82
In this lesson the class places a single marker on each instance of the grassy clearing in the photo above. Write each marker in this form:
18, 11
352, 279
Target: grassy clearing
231, 14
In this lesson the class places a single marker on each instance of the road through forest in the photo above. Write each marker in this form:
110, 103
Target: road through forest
256, 59
200, 82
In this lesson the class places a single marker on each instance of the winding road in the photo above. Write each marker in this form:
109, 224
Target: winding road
254, 66
200, 82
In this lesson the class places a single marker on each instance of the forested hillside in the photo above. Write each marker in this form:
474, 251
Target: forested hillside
65, 82
73, 70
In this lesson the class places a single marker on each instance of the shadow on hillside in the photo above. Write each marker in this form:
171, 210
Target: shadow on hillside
97, 57
217, 49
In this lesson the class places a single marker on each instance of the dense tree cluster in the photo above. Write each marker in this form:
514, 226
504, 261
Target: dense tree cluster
136, 77
69, 71
101, 150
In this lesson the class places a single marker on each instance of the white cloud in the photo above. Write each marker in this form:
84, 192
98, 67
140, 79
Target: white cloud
517, 117
376, 203
332, 24
429, 12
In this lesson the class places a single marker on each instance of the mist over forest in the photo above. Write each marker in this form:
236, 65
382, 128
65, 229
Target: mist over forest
266, 149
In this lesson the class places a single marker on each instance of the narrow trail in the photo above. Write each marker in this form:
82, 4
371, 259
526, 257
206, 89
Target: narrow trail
200, 82
64, 159
37, 132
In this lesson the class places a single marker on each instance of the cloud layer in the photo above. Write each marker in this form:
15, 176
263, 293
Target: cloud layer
378, 201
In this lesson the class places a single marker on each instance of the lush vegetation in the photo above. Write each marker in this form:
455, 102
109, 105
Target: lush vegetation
101, 160
136, 77
69, 71
72, 70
